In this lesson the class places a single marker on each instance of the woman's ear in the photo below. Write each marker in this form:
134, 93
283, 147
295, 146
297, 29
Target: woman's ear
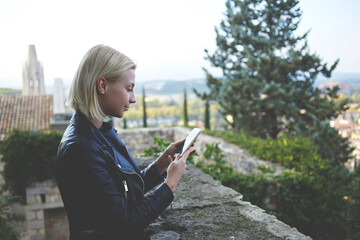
101, 84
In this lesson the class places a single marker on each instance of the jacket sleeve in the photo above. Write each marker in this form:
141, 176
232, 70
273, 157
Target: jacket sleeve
151, 176
89, 192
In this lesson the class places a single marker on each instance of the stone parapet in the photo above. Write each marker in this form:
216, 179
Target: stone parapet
137, 140
205, 209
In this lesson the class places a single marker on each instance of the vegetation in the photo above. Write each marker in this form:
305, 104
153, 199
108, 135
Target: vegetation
269, 74
7, 218
304, 196
308, 196
172, 107
144, 108
159, 146
185, 111
207, 115
29, 156
9, 91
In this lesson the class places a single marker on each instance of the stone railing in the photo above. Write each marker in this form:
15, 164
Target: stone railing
204, 209
138, 140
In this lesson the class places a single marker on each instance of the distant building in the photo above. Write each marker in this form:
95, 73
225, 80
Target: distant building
344, 87
25, 112
33, 75
59, 97
344, 127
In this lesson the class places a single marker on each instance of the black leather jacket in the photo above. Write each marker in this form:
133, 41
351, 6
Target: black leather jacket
102, 186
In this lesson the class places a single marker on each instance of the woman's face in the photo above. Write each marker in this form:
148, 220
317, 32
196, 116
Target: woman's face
119, 95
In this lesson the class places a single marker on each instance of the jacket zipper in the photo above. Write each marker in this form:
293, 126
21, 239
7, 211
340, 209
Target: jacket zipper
126, 190
125, 184
143, 186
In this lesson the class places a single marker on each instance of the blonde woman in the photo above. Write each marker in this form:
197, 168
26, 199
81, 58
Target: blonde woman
100, 183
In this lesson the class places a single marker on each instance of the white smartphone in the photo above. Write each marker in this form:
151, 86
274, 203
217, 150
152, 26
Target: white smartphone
190, 139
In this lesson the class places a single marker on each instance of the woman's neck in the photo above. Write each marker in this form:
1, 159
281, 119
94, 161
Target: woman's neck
96, 122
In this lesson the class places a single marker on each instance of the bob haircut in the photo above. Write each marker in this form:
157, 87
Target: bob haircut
99, 61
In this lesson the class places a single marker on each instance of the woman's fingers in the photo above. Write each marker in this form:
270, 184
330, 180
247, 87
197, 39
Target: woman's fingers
187, 153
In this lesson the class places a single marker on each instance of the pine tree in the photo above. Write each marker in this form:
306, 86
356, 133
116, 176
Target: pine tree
269, 73
185, 112
144, 108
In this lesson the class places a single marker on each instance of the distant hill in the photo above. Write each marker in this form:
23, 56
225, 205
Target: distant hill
168, 87
352, 79
10, 91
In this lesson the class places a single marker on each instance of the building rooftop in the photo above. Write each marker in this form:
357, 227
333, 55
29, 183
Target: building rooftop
25, 112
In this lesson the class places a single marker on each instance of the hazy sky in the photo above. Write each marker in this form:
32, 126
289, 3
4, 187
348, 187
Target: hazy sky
166, 38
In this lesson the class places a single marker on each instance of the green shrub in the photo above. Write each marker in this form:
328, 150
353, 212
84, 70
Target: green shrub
7, 218
289, 152
305, 198
160, 146
29, 156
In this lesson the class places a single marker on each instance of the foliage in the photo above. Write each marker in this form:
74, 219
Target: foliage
124, 123
9, 91
268, 71
144, 108
268, 79
207, 115
29, 156
160, 145
185, 111
305, 196
353, 198
7, 218
288, 151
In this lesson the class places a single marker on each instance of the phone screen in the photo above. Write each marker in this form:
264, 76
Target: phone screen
190, 139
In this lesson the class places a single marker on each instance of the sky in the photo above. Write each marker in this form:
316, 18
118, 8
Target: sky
166, 38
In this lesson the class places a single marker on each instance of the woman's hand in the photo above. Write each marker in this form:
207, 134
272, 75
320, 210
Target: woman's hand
163, 161
176, 169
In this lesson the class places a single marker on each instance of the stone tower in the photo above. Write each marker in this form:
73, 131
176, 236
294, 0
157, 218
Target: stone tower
33, 75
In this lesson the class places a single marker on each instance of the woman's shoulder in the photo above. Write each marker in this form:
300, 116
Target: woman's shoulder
77, 142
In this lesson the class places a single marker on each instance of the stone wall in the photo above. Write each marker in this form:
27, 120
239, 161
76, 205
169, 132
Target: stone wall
138, 140
204, 209
45, 215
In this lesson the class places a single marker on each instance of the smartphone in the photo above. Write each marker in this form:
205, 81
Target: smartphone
190, 139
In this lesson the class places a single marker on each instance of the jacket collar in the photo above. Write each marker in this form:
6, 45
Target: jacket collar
81, 122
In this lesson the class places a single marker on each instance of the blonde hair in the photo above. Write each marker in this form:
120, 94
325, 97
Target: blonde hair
99, 61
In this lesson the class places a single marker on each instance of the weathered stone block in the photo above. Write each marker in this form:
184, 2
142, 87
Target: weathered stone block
40, 215
36, 224
30, 215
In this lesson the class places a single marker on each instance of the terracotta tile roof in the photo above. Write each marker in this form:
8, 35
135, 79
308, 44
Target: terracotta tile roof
25, 112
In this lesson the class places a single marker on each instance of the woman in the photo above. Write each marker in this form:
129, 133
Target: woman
101, 185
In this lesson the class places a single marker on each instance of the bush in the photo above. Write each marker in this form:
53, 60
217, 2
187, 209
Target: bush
7, 218
29, 156
289, 152
305, 198
160, 146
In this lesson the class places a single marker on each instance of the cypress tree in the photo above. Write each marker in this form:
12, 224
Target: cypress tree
207, 115
144, 108
185, 112
124, 123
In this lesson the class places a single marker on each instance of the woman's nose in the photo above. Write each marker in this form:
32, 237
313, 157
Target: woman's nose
132, 98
